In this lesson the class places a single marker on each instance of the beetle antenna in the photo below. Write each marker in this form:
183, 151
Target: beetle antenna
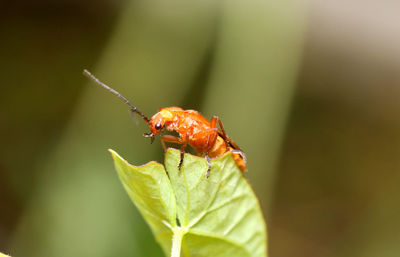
98, 82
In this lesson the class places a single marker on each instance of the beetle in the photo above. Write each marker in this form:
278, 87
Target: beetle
194, 129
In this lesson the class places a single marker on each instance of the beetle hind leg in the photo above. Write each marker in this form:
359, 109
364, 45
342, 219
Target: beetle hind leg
240, 158
241, 153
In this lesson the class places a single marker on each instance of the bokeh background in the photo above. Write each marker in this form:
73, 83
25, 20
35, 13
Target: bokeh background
310, 91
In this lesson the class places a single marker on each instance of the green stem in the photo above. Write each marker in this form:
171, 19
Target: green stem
179, 232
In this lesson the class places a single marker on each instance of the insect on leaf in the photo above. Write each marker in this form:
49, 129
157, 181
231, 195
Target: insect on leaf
219, 216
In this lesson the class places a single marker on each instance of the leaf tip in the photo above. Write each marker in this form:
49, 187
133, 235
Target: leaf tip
113, 153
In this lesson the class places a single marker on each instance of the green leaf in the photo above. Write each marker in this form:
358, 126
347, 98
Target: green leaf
219, 216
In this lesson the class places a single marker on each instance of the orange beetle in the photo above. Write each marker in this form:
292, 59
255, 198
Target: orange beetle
195, 130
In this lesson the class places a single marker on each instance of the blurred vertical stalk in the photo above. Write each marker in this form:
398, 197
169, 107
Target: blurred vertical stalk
252, 81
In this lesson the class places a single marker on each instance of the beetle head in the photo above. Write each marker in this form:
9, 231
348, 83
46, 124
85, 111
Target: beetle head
156, 123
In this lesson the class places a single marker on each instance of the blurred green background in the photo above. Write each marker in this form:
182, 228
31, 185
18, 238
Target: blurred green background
310, 91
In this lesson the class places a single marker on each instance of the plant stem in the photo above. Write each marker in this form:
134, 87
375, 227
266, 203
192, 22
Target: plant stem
179, 232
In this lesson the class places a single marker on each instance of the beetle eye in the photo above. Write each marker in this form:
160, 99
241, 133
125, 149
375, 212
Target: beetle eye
158, 126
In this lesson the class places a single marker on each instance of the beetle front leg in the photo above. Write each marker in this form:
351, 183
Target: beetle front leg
182, 155
178, 140
170, 139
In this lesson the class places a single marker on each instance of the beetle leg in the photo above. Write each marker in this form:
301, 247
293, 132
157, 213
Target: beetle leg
181, 160
224, 136
209, 166
182, 155
164, 145
229, 142
241, 154
222, 128
213, 124
179, 140
170, 139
